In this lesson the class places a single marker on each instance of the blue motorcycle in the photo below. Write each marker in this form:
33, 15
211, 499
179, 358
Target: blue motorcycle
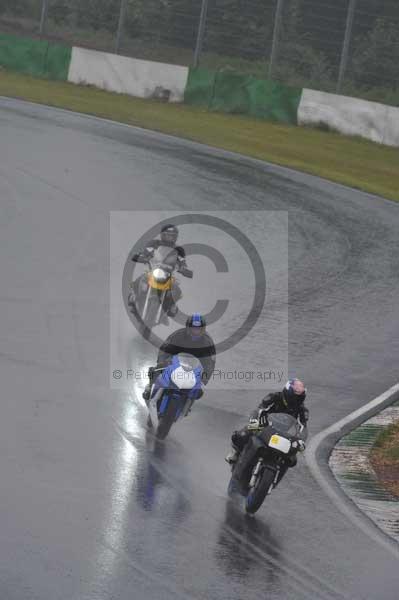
174, 392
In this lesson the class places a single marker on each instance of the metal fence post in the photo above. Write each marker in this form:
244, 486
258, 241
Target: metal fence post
201, 32
276, 35
121, 22
346, 44
43, 17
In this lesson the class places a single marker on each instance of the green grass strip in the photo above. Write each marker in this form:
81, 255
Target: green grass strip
354, 162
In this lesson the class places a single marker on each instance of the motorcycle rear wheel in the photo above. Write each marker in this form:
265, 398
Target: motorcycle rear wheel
256, 496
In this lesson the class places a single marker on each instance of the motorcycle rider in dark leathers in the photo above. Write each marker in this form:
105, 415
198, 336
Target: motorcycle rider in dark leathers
290, 400
168, 237
192, 339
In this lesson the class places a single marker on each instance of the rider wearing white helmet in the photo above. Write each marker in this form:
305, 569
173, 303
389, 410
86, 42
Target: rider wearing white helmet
290, 400
168, 237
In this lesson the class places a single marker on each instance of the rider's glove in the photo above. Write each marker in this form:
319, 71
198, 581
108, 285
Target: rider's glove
253, 423
301, 445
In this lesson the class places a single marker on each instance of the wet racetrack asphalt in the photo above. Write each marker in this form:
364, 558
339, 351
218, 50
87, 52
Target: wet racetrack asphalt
91, 507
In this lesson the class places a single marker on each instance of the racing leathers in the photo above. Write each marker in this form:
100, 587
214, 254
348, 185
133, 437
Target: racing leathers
202, 348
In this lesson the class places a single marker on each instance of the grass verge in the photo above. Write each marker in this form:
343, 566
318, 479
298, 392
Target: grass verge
354, 162
385, 458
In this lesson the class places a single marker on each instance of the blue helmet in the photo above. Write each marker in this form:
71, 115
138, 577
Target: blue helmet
196, 325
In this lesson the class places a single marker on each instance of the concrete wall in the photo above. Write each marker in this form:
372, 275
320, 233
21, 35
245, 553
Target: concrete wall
350, 116
126, 75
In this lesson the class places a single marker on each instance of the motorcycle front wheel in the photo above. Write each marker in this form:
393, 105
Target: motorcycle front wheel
166, 420
150, 318
257, 494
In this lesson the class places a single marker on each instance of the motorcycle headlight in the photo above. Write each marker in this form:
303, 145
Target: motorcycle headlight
160, 275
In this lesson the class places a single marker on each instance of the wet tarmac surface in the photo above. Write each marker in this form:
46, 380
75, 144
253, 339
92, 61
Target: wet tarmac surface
91, 506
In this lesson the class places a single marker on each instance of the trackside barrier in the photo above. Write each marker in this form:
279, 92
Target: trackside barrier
223, 91
350, 116
236, 93
114, 73
38, 58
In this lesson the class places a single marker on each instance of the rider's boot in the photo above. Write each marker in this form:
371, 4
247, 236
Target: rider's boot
232, 456
238, 441
131, 299
164, 320
147, 392
172, 312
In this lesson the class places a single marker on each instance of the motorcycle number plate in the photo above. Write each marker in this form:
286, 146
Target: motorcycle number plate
280, 443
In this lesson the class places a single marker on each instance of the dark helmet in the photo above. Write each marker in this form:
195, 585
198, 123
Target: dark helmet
196, 325
294, 391
169, 233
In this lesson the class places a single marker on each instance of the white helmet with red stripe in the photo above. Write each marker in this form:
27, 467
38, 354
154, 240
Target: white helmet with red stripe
294, 389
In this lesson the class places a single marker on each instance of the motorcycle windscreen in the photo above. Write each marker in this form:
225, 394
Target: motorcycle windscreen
165, 256
274, 440
183, 379
284, 424
188, 361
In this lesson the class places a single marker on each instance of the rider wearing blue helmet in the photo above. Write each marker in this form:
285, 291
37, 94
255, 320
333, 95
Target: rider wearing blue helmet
192, 339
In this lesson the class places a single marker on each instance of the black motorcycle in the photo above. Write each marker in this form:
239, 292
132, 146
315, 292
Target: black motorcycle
267, 452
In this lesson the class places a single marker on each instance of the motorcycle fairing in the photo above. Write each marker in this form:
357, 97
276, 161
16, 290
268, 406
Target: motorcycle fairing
164, 404
243, 468
165, 255
184, 398
157, 285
